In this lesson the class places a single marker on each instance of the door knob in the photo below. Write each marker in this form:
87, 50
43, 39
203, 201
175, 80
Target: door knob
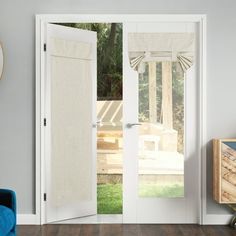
97, 124
130, 125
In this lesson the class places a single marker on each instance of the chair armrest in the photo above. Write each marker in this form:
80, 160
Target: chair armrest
8, 199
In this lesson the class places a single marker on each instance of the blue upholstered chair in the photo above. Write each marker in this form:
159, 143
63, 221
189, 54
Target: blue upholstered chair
7, 212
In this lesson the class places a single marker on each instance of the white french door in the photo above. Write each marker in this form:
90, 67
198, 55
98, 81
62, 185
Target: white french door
161, 172
70, 132
69, 143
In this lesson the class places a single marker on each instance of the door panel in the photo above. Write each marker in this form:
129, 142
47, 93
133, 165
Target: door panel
71, 135
153, 154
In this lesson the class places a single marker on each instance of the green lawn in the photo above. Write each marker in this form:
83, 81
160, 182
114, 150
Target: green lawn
109, 198
157, 190
110, 195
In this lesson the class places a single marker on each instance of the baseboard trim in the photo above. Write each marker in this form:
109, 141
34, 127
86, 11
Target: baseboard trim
27, 219
209, 219
213, 219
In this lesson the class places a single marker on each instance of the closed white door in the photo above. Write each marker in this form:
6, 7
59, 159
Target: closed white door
161, 166
70, 142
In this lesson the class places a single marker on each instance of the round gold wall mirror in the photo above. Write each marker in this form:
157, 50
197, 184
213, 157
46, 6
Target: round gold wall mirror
1, 61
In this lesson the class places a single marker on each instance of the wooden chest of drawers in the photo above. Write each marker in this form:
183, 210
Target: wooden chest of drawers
224, 170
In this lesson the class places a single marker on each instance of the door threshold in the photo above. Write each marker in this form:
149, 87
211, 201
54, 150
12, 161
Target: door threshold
95, 219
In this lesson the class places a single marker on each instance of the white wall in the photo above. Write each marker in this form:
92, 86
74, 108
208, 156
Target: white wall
17, 89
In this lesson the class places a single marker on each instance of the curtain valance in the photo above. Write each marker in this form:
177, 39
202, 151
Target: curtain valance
144, 47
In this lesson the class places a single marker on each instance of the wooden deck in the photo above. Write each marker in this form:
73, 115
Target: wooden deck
150, 163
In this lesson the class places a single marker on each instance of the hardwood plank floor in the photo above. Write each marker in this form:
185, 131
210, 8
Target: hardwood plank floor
124, 230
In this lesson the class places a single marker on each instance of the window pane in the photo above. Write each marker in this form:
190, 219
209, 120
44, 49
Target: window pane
161, 135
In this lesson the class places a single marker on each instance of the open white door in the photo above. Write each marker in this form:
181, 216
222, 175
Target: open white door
70, 133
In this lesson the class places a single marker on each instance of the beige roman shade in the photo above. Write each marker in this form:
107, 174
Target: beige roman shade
71, 49
175, 47
71, 119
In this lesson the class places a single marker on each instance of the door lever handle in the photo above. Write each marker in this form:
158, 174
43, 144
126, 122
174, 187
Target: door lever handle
130, 125
97, 124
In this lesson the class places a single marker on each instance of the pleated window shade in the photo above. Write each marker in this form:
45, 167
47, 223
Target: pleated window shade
176, 47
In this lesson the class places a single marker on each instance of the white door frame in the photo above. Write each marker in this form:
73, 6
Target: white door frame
42, 20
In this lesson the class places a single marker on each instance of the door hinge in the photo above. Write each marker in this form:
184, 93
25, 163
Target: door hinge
45, 47
44, 122
45, 197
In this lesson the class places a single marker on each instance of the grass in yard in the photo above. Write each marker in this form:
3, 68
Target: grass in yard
157, 190
110, 195
109, 198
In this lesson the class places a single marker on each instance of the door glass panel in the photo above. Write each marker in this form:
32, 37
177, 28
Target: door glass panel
161, 134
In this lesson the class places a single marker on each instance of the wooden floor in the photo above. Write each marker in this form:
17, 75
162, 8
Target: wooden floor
125, 230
